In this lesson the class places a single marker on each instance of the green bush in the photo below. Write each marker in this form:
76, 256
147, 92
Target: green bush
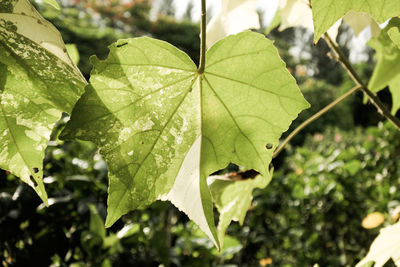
313, 208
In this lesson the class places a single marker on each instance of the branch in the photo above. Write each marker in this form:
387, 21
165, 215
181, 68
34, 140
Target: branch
203, 29
356, 78
313, 118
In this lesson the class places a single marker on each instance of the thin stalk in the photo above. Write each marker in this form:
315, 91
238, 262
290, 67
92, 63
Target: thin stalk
313, 118
203, 29
356, 78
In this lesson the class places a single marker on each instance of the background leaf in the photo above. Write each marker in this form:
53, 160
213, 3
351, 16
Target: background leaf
327, 12
387, 69
297, 13
52, 3
38, 82
233, 17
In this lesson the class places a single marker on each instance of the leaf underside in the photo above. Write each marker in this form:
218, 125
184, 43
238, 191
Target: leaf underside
34, 90
327, 12
163, 128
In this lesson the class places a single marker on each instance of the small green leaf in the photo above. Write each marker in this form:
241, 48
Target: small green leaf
387, 69
128, 230
394, 34
96, 224
233, 199
327, 12
73, 52
274, 22
353, 166
231, 247
394, 87
163, 128
52, 3
38, 82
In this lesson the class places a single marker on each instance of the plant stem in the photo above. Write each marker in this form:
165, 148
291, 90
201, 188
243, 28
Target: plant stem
203, 29
356, 78
313, 118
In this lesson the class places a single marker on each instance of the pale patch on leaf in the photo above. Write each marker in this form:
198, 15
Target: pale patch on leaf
327, 12
235, 16
163, 128
186, 194
385, 246
38, 82
30, 24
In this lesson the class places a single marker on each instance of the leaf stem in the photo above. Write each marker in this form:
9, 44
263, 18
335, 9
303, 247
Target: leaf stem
313, 118
203, 29
356, 78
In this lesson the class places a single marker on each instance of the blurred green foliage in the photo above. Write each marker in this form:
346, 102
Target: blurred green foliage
312, 210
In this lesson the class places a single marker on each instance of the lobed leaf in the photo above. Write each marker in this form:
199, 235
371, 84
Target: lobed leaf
38, 82
163, 128
327, 12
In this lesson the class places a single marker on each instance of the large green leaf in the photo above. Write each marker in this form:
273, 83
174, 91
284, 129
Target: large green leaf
387, 69
163, 128
386, 246
233, 198
327, 12
38, 82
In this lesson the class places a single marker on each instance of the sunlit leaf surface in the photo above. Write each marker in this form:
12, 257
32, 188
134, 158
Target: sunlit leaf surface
163, 128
